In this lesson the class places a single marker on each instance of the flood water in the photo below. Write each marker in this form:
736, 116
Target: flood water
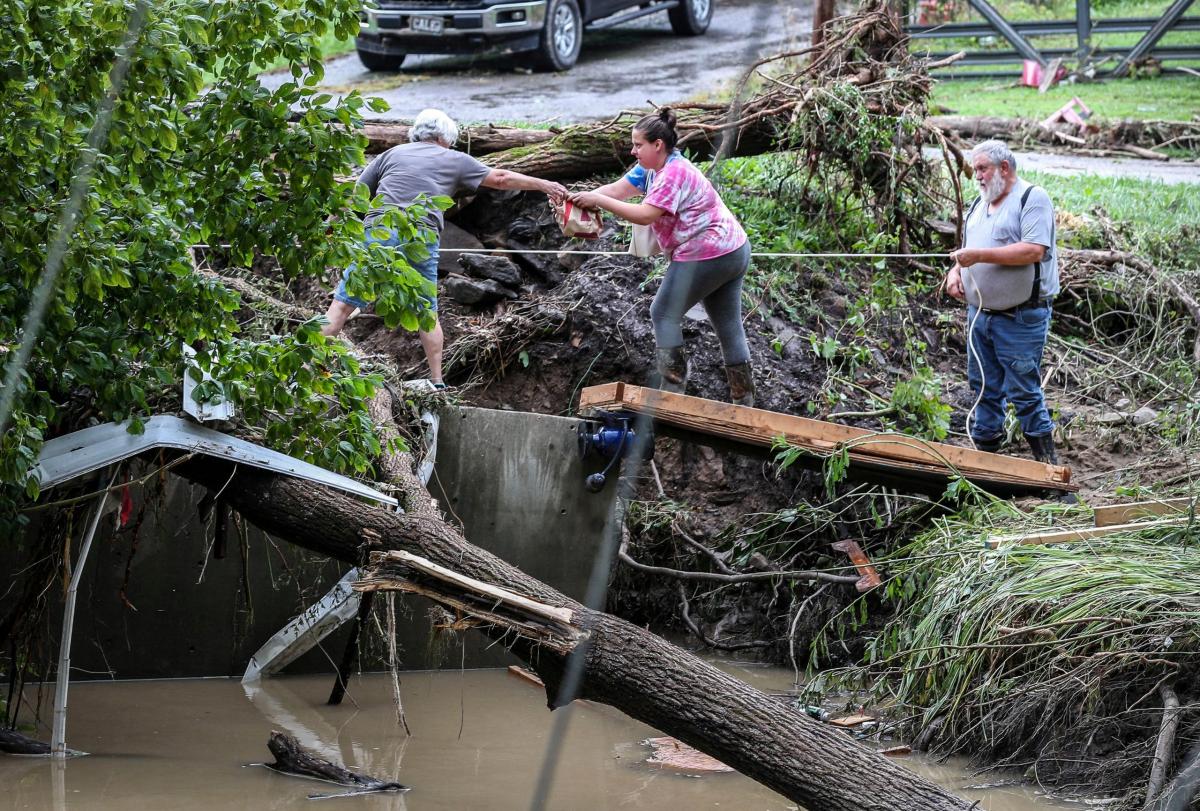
478, 740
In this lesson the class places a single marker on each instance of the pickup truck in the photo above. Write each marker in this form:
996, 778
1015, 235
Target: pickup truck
550, 31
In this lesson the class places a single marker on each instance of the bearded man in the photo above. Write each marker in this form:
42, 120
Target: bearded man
1007, 273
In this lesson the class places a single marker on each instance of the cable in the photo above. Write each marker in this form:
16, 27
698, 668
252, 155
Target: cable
978, 362
755, 254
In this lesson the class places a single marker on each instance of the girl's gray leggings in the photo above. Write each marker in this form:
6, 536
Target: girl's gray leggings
718, 283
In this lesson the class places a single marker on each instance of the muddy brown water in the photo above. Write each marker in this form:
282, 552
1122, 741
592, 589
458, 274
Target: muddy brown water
478, 742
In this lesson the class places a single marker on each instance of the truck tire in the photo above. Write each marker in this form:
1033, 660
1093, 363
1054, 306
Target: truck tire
562, 37
691, 17
375, 61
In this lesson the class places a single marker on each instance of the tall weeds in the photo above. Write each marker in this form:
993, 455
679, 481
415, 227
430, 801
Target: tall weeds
1048, 657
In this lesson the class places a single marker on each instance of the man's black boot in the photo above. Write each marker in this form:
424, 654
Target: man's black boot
1044, 451
1043, 448
992, 445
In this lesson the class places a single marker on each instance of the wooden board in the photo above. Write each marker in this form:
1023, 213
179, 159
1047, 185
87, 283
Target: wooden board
527, 675
851, 720
1125, 513
1081, 533
895, 453
669, 753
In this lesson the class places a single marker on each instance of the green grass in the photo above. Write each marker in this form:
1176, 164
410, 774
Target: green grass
1169, 98
1155, 211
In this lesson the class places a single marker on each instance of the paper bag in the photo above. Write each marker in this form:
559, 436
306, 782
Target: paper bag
644, 243
577, 222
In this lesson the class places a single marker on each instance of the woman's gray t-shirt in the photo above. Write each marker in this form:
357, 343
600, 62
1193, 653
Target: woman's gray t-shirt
1002, 286
407, 171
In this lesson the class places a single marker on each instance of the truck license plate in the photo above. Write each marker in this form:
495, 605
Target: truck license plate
426, 25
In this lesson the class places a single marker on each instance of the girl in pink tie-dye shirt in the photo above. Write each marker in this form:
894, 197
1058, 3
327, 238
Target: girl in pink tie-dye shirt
708, 249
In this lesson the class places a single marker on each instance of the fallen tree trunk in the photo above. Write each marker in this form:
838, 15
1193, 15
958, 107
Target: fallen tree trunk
626, 666
483, 139
1136, 136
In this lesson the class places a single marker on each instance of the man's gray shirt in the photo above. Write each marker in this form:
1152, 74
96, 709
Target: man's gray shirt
1002, 286
404, 172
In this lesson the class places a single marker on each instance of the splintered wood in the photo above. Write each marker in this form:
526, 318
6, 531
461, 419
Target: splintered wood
398, 570
897, 455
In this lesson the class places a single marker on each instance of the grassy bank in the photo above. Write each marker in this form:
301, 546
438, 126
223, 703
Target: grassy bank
1156, 217
1167, 98
1048, 658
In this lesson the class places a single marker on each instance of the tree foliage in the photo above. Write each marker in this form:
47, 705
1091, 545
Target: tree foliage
198, 153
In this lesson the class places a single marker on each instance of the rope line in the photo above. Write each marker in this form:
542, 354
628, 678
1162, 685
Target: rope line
756, 254
760, 255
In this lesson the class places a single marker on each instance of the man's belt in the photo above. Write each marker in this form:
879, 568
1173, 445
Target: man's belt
1025, 305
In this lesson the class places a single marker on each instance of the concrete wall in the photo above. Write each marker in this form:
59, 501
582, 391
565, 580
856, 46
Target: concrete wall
513, 480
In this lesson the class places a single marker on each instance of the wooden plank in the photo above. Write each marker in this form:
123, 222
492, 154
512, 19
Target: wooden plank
527, 675
1081, 533
851, 720
1126, 513
760, 428
674, 754
869, 577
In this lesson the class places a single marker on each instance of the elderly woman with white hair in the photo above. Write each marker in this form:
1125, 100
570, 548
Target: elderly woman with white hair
430, 166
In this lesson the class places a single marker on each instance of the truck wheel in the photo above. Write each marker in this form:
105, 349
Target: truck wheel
562, 36
374, 61
691, 17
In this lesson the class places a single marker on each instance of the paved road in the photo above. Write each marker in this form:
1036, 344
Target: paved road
619, 68
1070, 165
1174, 171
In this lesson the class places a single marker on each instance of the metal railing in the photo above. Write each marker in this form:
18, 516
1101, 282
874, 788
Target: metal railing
1017, 34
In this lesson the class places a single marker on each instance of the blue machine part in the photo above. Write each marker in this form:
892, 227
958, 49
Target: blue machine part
610, 436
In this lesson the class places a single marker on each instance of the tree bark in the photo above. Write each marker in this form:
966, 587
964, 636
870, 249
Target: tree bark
579, 153
626, 667
481, 140
822, 13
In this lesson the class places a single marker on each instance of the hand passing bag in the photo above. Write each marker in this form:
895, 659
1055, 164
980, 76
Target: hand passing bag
577, 222
643, 243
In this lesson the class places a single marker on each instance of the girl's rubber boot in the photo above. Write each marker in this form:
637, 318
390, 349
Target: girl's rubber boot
741, 384
672, 369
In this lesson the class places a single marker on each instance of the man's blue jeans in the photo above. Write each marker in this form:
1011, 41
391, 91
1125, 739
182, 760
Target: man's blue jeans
1005, 360
426, 267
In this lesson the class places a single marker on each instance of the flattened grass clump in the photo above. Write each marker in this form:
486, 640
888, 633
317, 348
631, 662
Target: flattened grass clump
1048, 658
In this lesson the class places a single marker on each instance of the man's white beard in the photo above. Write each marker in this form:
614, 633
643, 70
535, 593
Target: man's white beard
992, 189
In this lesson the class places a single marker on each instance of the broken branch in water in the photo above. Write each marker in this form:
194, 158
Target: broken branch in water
291, 758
